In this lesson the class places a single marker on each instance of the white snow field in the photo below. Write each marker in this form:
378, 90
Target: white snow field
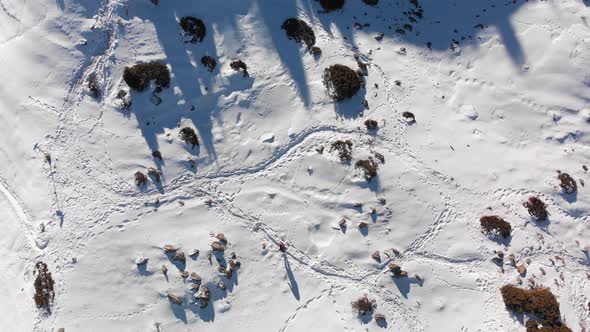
500, 90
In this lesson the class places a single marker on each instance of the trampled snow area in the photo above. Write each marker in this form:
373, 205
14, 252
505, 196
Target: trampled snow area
500, 91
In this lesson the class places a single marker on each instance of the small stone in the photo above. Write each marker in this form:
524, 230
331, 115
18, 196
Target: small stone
217, 246
195, 253
184, 274
205, 293
221, 269
362, 225
357, 204
175, 299
195, 287
382, 201
376, 256
511, 259
379, 318
372, 211
229, 273
61, 329
394, 268
521, 270
170, 248
221, 237
320, 149
342, 223
179, 257
233, 255
164, 270
141, 260
235, 264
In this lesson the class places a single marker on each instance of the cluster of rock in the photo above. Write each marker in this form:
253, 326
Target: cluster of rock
202, 293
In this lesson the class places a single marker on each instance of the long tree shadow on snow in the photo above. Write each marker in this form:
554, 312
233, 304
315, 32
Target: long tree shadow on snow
190, 97
441, 24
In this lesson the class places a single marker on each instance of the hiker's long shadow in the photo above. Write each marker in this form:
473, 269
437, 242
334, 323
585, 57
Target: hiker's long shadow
437, 22
192, 97
292, 282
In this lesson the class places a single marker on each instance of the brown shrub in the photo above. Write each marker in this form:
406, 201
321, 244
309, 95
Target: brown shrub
138, 77
315, 51
140, 178
341, 81
539, 301
533, 326
93, 85
194, 28
369, 168
299, 31
189, 136
44, 293
330, 5
344, 149
536, 208
409, 116
363, 305
495, 224
371, 124
208, 62
567, 183
238, 65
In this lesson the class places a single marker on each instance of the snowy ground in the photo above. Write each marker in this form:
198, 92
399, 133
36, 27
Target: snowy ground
497, 116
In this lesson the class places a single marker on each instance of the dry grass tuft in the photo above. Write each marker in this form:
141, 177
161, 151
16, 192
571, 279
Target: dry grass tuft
138, 77
44, 293
495, 224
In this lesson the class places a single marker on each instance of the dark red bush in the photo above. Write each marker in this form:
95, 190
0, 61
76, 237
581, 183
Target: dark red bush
495, 224
44, 293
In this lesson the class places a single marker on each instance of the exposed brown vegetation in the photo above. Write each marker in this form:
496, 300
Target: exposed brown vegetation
344, 149
140, 178
409, 116
299, 31
189, 136
567, 183
341, 81
239, 65
138, 77
536, 208
194, 28
534, 326
371, 124
495, 224
538, 301
315, 51
209, 62
363, 305
44, 293
93, 85
369, 168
